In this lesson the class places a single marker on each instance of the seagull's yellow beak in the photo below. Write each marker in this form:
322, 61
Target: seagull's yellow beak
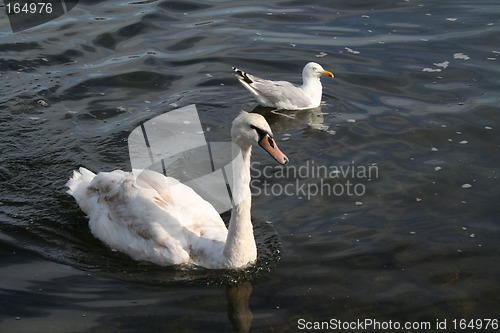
327, 73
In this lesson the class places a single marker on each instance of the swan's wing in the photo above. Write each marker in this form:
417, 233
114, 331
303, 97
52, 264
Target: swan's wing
185, 200
150, 217
280, 94
203, 228
136, 220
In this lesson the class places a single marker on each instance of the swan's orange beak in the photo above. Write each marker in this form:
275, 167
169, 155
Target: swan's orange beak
267, 142
327, 73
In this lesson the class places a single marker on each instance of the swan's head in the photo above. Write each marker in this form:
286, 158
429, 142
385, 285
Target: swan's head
251, 129
313, 69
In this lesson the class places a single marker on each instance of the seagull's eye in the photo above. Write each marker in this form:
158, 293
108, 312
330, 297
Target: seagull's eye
315, 68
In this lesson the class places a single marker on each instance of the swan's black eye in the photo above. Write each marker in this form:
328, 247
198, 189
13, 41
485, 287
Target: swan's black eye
259, 131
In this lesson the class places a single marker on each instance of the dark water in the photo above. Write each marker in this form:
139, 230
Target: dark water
415, 97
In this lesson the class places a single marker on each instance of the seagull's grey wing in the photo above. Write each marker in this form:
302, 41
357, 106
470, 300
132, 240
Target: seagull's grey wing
281, 92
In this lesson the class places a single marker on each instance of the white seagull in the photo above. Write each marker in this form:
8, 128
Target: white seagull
158, 219
286, 95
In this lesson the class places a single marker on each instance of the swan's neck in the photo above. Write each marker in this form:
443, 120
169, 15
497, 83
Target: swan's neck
240, 248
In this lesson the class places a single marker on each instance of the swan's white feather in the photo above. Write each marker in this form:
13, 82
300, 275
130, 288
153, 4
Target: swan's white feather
149, 216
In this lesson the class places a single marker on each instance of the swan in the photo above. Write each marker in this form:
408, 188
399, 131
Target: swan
155, 218
286, 95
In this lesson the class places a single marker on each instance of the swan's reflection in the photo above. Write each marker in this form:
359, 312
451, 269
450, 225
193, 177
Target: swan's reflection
282, 120
238, 310
238, 295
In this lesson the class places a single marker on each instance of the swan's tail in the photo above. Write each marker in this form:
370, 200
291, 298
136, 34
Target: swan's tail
90, 189
79, 185
80, 180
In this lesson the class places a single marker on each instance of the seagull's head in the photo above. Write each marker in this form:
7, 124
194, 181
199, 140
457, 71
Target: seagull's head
315, 70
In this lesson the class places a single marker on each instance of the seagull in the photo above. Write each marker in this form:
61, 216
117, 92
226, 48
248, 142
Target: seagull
286, 95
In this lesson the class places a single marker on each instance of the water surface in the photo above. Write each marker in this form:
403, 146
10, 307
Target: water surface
415, 94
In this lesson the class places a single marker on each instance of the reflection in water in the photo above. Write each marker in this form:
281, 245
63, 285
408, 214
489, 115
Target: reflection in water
238, 311
426, 242
35, 292
283, 120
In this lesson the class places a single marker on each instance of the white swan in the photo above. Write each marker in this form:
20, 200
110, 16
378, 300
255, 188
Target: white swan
148, 218
286, 95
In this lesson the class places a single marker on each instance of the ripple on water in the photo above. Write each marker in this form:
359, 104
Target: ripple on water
400, 251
